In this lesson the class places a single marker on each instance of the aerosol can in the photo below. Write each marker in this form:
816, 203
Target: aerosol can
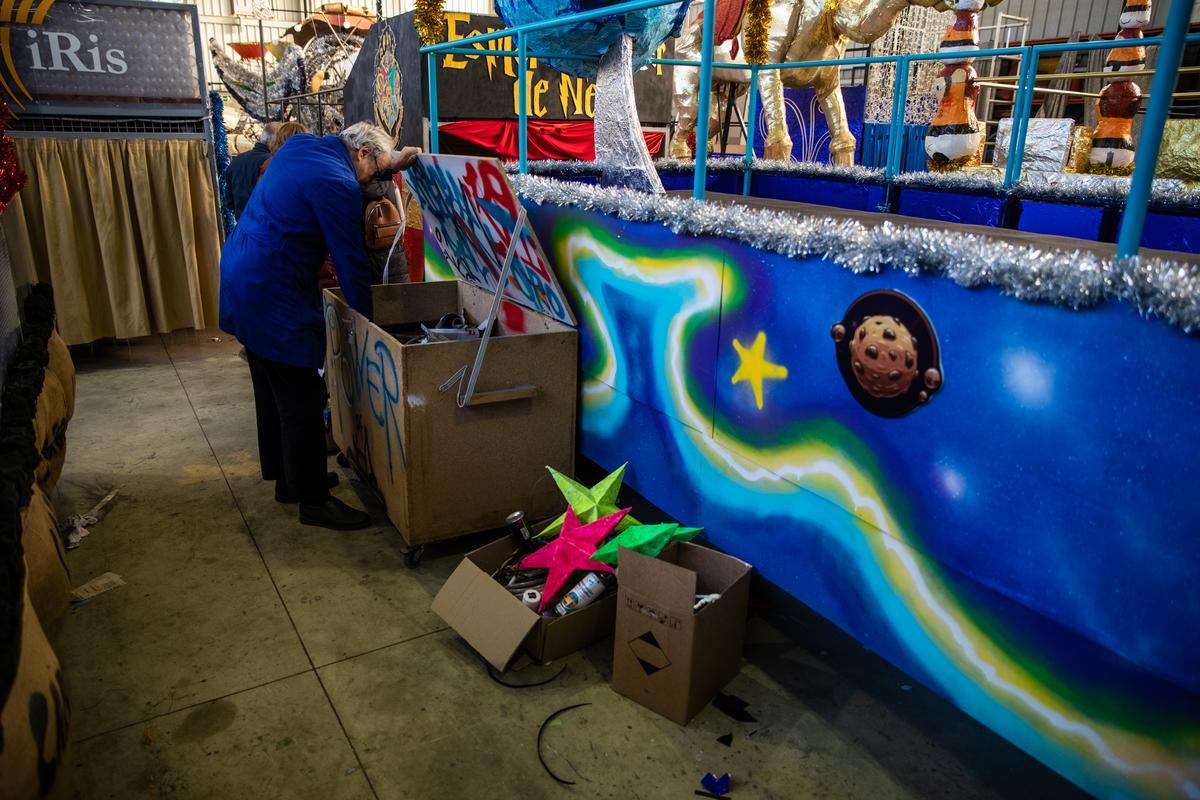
593, 585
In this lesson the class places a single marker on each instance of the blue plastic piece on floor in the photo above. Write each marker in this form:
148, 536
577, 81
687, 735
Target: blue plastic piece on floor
714, 785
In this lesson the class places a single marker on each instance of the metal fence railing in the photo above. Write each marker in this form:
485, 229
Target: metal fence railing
1170, 43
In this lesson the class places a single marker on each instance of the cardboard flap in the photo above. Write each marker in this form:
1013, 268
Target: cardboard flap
675, 586
470, 210
717, 572
483, 613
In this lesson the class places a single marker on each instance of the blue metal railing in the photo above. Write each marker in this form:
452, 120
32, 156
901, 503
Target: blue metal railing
1171, 43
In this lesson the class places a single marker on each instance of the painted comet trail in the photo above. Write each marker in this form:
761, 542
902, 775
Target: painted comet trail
1024, 543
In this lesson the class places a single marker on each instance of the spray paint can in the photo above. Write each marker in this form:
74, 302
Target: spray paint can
531, 598
587, 590
522, 536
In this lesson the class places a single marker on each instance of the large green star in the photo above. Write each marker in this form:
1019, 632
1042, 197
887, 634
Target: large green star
648, 540
590, 504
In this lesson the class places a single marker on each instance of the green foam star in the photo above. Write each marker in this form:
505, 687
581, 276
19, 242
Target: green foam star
589, 504
648, 540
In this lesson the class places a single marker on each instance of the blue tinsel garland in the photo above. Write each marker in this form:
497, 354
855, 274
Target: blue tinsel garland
221, 143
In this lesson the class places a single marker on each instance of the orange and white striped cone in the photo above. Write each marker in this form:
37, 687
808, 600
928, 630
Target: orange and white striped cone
1112, 141
955, 134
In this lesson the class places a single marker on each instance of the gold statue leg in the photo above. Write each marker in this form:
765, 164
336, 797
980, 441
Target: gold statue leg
841, 141
779, 142
687, 91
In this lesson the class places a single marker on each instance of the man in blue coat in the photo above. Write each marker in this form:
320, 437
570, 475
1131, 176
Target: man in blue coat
308, 204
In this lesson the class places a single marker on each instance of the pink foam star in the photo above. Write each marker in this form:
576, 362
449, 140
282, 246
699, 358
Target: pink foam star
572, 550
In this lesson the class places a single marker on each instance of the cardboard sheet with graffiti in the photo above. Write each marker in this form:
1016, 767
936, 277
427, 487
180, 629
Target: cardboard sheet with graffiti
470, 213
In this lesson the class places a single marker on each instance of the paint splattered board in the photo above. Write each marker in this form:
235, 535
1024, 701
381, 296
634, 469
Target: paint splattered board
470, 211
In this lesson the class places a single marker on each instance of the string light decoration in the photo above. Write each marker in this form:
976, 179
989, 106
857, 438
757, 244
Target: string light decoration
917, 30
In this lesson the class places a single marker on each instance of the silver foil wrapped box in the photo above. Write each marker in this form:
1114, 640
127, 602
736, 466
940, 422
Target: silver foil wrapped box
1047, 144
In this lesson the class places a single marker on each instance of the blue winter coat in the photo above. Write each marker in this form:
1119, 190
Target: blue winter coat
307, 204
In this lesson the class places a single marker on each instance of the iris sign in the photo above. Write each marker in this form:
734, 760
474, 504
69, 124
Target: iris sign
57, 54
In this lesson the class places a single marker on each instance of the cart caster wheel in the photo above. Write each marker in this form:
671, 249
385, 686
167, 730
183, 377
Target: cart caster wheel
413, 556
342, 461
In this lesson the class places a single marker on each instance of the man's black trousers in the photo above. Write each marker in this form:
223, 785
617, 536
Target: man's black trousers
289, 404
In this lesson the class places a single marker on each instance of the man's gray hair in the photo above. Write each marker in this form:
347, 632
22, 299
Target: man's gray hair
364, 134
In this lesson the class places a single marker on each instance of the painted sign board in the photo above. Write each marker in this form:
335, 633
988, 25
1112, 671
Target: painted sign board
484, 86
100, 57
470, 210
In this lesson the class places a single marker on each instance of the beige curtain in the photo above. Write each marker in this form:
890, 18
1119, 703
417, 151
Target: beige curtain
125, 231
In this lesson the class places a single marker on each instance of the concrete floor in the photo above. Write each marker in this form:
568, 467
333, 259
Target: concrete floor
250, 657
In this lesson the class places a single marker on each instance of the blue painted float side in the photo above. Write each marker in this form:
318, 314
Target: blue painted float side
1024, 543
1062, 219
1167, 231
969, 209
727, 182
840, 194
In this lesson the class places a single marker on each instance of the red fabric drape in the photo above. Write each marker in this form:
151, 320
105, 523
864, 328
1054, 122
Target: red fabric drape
547, 140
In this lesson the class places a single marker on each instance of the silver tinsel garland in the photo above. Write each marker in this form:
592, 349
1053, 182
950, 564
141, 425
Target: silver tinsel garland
1064, 187
1061, 187
1169, 290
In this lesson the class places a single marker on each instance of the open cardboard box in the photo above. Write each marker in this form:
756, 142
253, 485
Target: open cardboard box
446, 471
666, 656
497, 624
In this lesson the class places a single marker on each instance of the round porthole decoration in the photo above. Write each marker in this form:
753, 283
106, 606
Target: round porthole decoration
888, 353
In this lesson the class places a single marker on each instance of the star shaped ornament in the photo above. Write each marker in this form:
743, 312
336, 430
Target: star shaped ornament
571, 551
648, 540
591, 504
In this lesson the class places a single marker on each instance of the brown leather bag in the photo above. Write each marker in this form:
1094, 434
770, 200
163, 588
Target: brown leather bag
381, 223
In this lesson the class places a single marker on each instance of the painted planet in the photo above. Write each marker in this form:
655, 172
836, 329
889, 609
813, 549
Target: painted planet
649, 28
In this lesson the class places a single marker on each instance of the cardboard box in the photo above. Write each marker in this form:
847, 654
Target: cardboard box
497, 624
445, 471
665, 656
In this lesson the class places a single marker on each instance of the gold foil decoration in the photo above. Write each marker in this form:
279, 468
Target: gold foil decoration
758, 26
1081, 150
1104, 169
1180, 154
824, 33
966, 162
430, 21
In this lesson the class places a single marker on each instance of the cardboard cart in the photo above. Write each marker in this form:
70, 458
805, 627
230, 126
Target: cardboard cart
455, 439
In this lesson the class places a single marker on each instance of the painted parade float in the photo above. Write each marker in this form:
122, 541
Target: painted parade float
970, 448
300, 75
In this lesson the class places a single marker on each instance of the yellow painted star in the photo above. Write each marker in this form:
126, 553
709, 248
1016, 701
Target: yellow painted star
755, 367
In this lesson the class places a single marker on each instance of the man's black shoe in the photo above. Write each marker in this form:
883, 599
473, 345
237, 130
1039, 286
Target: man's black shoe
283, 495
335, 514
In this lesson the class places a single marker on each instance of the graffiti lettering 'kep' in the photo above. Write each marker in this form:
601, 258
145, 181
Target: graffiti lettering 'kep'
365, 369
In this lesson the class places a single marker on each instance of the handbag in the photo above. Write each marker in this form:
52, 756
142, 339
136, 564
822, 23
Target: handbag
382, 224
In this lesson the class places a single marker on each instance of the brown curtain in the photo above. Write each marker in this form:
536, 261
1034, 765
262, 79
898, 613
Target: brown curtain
125, 231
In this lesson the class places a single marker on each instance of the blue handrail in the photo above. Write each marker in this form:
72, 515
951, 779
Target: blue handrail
751, 127
557, 22
707, 36
1170, 54
522, 102
1175, 35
